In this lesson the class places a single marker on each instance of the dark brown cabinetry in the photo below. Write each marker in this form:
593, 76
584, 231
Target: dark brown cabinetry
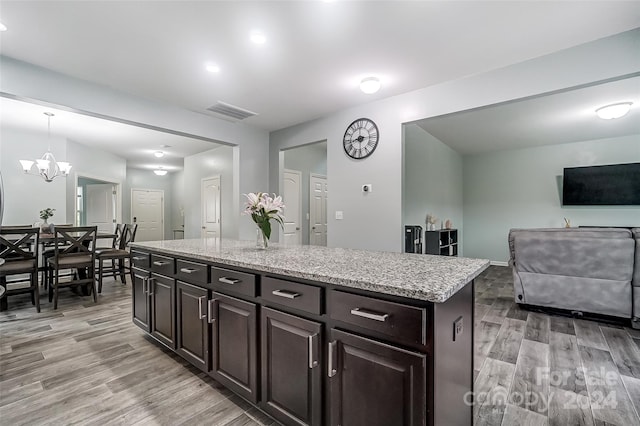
291, 370
374, 384
443, 242
162, 291
140, 302
235, 357
192, 327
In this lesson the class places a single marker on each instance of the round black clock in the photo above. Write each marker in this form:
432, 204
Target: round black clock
361, 138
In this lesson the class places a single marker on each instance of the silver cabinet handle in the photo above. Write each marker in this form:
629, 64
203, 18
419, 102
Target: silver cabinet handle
150, 284
139, 258
331, 367
369, 315
200, 300
210, 311
160, 263
228, 280
286, 294
188, 270
312, 350
144, 283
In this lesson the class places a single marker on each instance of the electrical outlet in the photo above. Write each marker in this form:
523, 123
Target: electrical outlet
339, 215
458, 328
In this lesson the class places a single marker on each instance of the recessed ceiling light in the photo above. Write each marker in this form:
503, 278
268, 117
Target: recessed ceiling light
370, 85
160, 171
213, 68
3, 27
159, 154
257, 37
609, 112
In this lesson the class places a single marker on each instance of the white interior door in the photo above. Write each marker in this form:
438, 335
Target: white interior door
211, 207
101, 207
292, 198
318, 210
147, 210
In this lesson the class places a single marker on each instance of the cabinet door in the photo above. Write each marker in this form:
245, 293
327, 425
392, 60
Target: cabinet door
140, 302
162, 291
374, 384
192, 328
291, 373
234, 361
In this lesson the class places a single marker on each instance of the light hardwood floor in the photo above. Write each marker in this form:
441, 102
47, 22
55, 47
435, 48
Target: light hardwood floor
88, 364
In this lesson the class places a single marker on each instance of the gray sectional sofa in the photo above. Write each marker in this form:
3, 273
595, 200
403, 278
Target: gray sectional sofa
591, 270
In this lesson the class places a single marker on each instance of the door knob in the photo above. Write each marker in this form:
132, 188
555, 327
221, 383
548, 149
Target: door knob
204, 227
297, 228
313, 227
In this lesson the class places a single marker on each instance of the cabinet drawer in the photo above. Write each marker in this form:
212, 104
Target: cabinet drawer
295, 295
237, 282
162, 264
402, 323
192, 272
140, 259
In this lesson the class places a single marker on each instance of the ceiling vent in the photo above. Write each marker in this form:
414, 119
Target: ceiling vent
230, 111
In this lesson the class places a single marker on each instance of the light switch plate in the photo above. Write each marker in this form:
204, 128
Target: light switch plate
339, 215
458, 328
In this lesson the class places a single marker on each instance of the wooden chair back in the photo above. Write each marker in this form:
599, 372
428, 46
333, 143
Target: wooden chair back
16, 242
74, 241
128, 236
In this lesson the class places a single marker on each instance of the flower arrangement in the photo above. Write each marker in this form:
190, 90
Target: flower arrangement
262, 209
431, 222
46, 213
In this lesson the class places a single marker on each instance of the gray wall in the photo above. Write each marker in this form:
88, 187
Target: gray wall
146, 179
432, 180
306, 159
218, 161
375, 221
177, 201
522, 189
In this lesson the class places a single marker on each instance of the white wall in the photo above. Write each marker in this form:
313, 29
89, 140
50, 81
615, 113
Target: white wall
26, 195
252, 156
522, 189
177, 201
218, 161
432, 180
375, 222
146, 179
306, 159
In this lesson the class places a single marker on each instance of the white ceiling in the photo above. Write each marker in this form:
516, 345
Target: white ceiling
547, 120
135, 144
316, 52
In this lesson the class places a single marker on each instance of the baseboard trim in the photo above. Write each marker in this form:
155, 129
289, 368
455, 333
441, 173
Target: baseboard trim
499, 263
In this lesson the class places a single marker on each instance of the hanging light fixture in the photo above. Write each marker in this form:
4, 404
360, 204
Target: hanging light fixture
160, 171
47, 166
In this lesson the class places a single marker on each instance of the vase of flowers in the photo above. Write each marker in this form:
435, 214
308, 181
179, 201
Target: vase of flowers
45, 214
264, 208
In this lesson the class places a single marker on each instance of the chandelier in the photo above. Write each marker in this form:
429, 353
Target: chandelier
47, 166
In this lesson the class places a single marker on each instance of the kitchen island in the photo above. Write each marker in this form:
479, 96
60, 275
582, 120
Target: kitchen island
315, 335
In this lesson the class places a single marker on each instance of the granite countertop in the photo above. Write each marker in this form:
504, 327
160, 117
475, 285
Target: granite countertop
415, 276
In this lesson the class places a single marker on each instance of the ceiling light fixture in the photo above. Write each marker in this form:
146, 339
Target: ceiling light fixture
3, 27
370, 85
257, 37
47, 166
609, 112
160, 171
159, 154
212, 68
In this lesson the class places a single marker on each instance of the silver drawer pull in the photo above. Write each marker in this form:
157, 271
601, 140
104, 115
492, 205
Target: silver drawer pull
369, 315
312, 351
160, 263
331, 363
200, 300
139, 258
188, 270
228, 280
286, 294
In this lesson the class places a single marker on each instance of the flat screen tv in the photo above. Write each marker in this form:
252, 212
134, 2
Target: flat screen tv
613, 185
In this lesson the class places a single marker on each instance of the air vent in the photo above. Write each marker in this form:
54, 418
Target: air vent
231, 111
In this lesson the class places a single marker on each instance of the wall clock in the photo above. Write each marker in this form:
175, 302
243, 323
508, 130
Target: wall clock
361, 138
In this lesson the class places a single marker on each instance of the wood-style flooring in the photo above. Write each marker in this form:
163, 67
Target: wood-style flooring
88, 364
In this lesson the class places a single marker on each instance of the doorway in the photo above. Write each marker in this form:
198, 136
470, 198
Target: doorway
97, 203
147, 211
210, 191
318, 210
292, 197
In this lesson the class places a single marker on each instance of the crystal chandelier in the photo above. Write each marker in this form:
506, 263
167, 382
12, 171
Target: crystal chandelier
47, 166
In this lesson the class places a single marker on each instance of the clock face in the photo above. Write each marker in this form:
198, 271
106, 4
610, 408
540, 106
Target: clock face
361, 138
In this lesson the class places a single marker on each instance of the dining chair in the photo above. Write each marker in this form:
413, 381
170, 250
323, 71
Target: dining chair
47, 252
74, 249
125, 234
19, 259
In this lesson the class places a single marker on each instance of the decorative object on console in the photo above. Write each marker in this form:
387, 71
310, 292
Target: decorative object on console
448, 224
45, 214
567, 223
431, 222
262, 209
47, 166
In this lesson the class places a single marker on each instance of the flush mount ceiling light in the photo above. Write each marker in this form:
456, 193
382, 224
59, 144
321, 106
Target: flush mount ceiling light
212, 68
257, 37
370, 85
47, 166
159, 154
160, 171
609, 112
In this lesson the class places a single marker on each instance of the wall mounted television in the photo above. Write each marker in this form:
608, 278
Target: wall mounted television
611, 185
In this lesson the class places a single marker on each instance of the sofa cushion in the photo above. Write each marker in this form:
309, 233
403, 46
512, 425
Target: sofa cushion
608, 259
